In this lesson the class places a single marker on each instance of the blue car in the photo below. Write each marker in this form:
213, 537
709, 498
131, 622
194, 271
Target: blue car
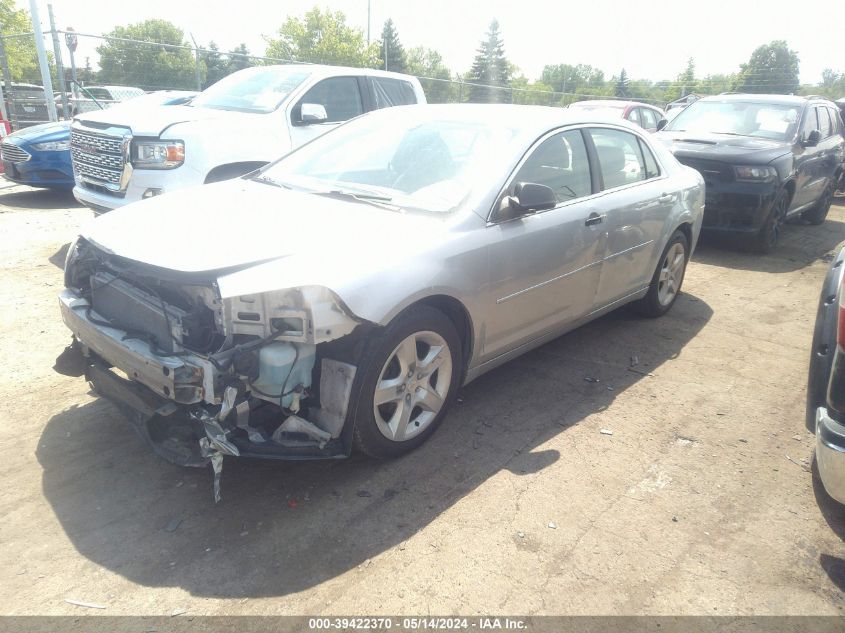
39, 156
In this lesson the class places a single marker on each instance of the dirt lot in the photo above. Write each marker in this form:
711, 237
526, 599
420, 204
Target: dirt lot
700, 502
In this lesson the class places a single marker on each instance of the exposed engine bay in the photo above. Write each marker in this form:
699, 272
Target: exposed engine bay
202, 376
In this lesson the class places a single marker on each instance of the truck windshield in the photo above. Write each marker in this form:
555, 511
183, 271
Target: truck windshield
259, 89
739, 118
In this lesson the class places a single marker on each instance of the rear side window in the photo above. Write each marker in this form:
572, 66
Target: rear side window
835, 120
392, 92
340, 97
620, 157
651, 168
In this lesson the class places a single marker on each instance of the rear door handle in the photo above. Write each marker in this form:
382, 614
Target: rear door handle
593, 219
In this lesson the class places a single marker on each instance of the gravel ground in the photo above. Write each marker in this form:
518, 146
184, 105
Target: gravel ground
702, 501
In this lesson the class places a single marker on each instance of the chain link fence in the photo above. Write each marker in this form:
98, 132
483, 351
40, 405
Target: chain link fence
90, 71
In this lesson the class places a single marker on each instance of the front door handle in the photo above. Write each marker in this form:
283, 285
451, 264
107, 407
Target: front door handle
593, 219
666, 197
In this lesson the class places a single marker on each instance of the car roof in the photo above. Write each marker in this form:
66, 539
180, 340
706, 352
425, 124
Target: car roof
612, 103
526, 119
323, 70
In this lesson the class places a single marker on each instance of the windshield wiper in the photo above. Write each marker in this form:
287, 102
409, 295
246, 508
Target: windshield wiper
269, 181
375, 199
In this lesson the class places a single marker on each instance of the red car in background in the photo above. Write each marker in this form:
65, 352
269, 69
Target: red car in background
644, 115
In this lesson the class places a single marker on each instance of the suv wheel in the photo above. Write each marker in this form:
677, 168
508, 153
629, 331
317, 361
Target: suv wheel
769, 234
818, 213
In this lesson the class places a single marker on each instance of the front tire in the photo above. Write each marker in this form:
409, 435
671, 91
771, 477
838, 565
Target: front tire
769, 235
412, 373
667, 279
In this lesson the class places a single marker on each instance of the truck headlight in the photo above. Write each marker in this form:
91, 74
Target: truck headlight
753, 173
158, 154
52, 146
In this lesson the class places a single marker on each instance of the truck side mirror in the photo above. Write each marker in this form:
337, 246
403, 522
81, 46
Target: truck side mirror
313, 113
662, 124
812, 138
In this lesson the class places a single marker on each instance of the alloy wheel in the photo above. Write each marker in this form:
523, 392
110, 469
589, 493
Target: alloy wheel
412, 386
671, 274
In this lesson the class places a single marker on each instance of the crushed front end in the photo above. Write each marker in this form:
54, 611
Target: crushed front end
200, 376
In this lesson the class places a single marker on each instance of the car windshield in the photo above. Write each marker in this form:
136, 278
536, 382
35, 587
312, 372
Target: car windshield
739, 118
259, 89
398, 156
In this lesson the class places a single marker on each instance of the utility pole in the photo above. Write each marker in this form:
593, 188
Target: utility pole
46, 81
368, 21
196, 62
60, 69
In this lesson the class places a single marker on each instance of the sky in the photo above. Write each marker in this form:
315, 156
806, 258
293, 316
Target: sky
651, 40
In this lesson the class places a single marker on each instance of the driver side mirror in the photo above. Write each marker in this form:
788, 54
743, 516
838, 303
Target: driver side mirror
662, 124
812, 139
313, 113
527, 197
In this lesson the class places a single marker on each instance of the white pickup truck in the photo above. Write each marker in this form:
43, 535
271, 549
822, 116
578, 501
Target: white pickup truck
235, 126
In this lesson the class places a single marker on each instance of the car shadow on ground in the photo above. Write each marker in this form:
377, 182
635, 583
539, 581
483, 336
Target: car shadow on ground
20, 197
800, 245
282, 527
834, 514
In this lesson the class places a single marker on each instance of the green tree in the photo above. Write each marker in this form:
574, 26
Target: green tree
20, 51
527, 92
323, 37
772, 69
576, 81
216, 66
490, 68
239, 58
428, 65
684, 84
620, 88
154, 61
392, 52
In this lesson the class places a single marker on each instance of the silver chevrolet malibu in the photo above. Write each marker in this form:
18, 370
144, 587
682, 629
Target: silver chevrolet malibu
340, 296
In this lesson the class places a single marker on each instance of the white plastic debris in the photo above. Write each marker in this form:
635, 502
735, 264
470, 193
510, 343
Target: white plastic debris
605, 431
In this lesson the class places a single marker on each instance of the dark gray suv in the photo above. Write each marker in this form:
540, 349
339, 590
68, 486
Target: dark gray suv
764, 159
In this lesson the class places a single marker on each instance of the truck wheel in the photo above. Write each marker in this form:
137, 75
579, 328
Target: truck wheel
819, 212
411, 377
769, 234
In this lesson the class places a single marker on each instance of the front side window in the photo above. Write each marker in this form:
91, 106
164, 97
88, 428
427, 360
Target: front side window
634, 116
340, 97
825, 126
649, 119
560, 162
620, 157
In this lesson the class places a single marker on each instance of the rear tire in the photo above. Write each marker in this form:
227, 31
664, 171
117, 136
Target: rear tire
411, 375
818, 213
668, 277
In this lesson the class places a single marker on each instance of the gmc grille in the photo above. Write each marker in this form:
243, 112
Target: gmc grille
99, 159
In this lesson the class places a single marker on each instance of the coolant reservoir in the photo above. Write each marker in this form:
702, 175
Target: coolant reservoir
281, 369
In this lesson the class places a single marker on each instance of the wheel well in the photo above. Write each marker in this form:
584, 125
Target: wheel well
789, 188
459, 316
686, 229
232, 170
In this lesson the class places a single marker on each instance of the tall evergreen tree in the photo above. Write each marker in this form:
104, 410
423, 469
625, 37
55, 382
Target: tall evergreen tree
621, 88
490, 68
392, 52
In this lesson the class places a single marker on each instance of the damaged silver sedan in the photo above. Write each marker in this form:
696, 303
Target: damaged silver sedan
340, 296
